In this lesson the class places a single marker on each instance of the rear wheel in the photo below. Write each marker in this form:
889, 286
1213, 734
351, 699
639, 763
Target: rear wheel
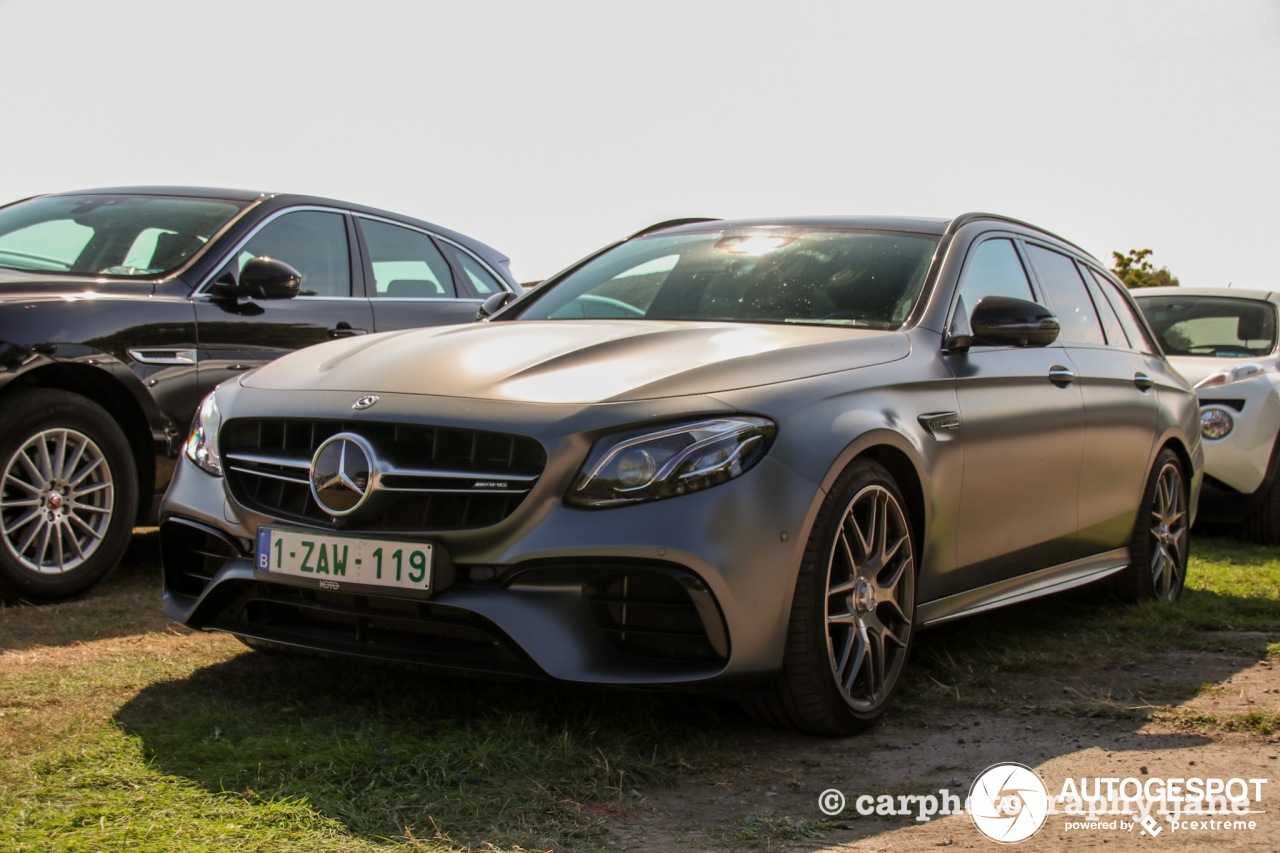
1158, 548
68, 495
851, 618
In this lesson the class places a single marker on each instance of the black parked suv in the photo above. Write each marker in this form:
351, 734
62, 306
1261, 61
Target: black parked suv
121, 308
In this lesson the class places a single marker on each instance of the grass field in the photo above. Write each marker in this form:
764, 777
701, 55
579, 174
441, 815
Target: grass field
122, 732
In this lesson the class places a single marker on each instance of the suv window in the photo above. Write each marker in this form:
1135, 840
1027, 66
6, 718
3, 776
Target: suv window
482, 281
1068, 296
312, 242
406, 263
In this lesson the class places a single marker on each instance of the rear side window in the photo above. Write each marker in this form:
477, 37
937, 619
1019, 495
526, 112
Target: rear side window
1138, 337
1110, 320
481, 280
406, 263
1068, 296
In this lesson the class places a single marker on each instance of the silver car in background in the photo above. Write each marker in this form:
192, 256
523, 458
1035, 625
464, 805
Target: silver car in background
1224, 342
749, 456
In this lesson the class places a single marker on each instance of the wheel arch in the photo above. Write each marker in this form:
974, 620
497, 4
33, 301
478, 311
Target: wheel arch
902, 459
1194, 479
106, 390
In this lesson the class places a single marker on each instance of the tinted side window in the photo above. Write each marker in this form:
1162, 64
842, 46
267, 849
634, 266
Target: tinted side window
1068, 296
994, 269
1116, 336
481, 280
406, 263
1138, 338
312, 242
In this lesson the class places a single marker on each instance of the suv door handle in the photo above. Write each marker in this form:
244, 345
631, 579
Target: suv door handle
1061, 376
344, 330
1143, 381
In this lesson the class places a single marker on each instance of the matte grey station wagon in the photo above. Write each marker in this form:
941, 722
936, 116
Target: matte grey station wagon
744, 456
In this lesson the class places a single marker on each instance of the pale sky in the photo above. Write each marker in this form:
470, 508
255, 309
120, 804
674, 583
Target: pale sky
551, 127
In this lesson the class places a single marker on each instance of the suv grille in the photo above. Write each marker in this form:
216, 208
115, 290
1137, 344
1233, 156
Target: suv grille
433, 478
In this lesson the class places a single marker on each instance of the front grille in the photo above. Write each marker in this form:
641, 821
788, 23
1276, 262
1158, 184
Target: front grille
434, 478
650, 613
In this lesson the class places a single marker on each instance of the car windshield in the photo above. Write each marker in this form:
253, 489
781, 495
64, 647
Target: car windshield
111, 235
756, 275
1212, 327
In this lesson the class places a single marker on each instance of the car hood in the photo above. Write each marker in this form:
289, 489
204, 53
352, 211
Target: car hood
579, 361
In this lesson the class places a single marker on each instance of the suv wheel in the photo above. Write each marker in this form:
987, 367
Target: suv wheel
68, 495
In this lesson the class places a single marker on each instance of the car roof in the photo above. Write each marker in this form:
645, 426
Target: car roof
481, 248
936, 226
1222, 292
875, 223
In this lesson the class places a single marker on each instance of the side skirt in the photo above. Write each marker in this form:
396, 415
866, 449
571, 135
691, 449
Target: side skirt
1023, 588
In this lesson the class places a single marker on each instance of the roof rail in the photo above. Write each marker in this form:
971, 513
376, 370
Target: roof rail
966, 218
672, 223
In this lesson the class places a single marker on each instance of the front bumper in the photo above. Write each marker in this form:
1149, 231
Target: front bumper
1240, 467
685, 591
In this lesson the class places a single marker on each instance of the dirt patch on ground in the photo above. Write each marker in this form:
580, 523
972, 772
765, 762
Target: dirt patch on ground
1133, 731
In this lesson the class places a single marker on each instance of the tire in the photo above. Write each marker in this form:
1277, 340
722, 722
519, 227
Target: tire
68, 495
1158, 546
852, 616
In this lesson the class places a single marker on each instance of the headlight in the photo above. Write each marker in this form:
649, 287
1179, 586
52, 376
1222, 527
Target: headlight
1216, 423
202, 444
648, 465
1232, 374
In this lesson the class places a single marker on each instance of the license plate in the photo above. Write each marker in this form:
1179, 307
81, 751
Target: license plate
334, 561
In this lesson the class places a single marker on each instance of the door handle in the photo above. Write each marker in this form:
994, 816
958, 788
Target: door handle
344, 330
1143, 381
1061, 376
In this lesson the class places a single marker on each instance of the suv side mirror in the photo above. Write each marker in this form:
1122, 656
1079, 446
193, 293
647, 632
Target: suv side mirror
261, 278
493, 304
1004, 321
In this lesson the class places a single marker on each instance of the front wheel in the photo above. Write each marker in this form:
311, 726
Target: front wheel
1159, 545
852, 616
68, 495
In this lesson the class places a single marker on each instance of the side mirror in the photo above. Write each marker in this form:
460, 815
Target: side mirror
267, 278
1006, 322
261, 278
493, 304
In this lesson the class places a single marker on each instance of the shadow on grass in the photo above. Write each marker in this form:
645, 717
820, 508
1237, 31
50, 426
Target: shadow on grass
127, 603
390, 752
394, 753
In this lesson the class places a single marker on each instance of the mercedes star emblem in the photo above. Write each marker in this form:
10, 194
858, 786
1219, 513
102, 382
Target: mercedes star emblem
343, 474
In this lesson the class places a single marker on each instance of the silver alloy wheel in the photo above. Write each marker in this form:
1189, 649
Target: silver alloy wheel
1169, 533
870, 598
58, 495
